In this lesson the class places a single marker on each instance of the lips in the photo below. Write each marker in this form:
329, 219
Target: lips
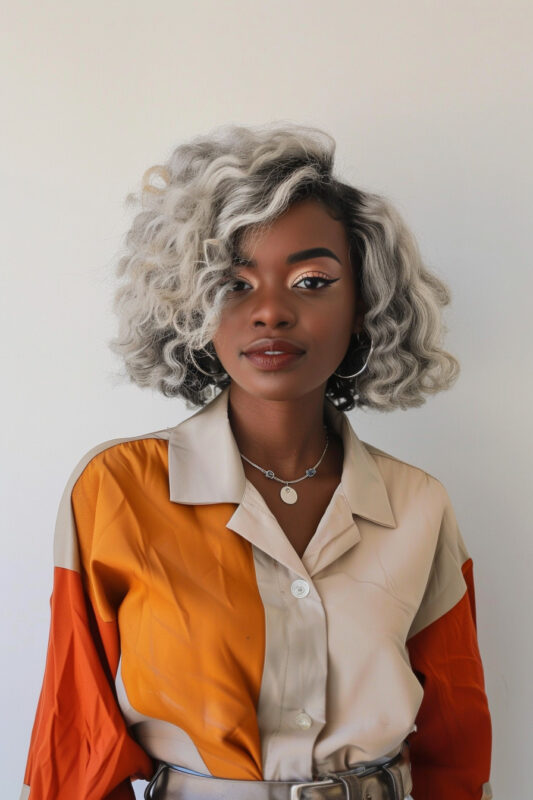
263, 345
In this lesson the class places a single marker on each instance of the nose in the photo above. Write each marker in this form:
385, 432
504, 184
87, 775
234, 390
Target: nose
272, 307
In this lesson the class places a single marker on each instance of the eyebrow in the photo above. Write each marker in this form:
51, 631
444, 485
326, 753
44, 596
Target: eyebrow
302, 255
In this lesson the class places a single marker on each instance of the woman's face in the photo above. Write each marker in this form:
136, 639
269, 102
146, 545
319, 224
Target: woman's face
307, 300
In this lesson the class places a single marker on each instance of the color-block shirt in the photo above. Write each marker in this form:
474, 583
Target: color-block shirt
186, 628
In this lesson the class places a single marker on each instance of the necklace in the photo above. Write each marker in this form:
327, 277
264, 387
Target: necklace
287, 493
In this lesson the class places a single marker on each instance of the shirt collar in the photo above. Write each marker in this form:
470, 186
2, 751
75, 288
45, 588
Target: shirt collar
205, 465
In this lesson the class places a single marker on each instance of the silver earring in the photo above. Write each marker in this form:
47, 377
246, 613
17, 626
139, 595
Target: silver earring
364, 365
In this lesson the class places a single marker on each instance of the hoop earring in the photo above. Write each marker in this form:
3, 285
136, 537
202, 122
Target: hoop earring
346, 377
209, 374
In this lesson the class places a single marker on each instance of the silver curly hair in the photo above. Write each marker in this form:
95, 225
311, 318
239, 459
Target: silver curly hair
175, 273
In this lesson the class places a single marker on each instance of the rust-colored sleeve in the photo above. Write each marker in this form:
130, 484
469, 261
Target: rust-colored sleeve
80, 748
451, 750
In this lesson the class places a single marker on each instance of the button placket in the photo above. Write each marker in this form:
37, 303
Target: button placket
292, 699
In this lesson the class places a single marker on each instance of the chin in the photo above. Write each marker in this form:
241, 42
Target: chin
278, 389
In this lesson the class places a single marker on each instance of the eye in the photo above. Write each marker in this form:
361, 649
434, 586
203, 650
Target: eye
311, 277
232, 284
316, 277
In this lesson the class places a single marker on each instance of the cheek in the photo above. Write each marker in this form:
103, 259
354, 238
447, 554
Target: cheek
333, 325
332, 337
225, 333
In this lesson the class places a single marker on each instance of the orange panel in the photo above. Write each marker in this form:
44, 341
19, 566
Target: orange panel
190, 615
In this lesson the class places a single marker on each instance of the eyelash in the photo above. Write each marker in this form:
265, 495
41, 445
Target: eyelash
310, 276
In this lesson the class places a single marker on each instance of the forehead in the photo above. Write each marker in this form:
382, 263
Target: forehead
307, 223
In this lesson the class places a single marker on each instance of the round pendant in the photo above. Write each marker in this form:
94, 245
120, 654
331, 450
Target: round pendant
288, 495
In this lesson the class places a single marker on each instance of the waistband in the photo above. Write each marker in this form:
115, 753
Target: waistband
388, 781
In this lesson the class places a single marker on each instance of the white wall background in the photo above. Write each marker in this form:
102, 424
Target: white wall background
430, 103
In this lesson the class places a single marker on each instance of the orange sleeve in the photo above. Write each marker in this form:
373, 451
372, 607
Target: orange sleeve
451, 750
80, 747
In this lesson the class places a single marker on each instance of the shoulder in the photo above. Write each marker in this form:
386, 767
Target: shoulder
396, 470
102, 465
406, 484
119, 451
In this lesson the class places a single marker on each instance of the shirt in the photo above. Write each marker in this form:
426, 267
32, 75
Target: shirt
186, 628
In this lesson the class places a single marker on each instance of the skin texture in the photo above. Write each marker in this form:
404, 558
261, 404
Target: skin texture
277, 416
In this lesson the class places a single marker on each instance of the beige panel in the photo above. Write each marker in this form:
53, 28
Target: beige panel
487, 792
365, 582
25, 793
446, 585
65, 539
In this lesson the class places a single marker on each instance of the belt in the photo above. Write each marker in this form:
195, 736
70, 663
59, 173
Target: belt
388, 781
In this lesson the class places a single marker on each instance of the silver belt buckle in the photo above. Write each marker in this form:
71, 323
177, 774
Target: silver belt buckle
299, 787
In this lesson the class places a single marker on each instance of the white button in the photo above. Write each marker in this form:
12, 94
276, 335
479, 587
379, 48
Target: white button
300, 588
303, 720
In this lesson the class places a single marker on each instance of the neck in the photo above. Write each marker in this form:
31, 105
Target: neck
286, 436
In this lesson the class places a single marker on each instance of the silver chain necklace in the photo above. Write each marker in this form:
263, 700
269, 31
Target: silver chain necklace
287, 494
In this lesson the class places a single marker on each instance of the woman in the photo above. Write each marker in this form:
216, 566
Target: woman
255, 599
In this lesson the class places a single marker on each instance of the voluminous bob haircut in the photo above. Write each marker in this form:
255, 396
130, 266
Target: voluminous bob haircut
177, 268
